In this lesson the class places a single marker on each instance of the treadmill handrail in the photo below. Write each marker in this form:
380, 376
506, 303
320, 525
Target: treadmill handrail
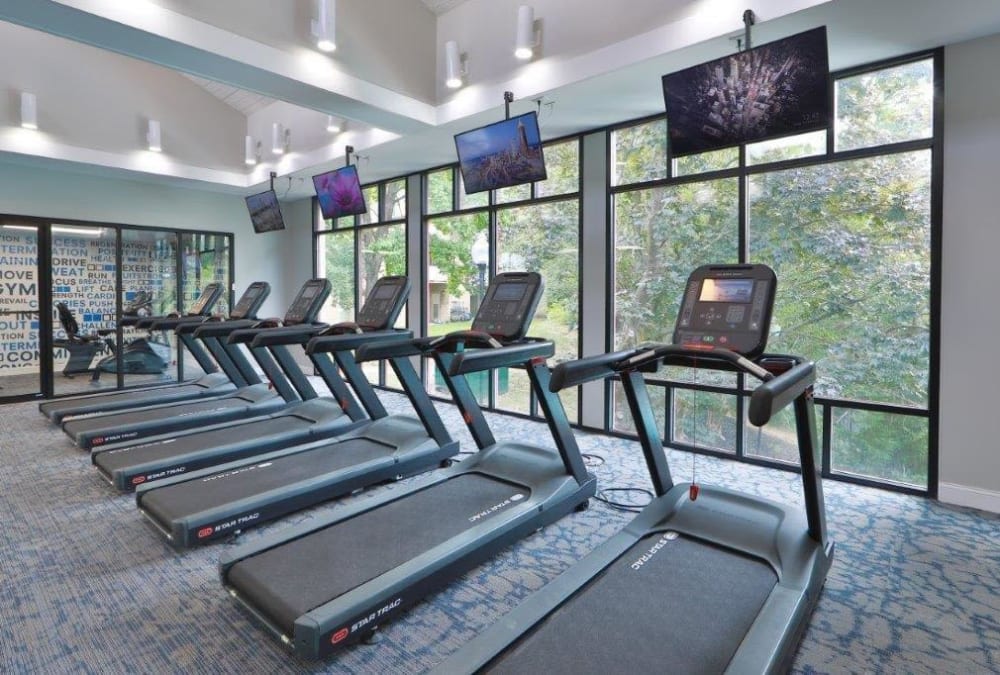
597, 367
650, 358
394, 348
219, 328
173, 322
515, 354
282, 335
771, 396
349, 341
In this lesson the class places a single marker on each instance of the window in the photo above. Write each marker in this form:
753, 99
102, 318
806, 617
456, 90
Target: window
355, 251
849, 237
535, 227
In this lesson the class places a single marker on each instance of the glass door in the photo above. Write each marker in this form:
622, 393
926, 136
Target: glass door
84, 313
20, 351
149, 287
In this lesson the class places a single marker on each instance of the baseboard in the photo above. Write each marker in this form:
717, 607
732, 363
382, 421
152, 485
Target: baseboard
973, 497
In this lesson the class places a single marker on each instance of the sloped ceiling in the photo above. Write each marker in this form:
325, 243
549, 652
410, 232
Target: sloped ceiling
598, 63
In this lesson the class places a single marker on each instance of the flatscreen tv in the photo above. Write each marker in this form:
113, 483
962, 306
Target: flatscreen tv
265, 214
501, 154
339, 192
777, 89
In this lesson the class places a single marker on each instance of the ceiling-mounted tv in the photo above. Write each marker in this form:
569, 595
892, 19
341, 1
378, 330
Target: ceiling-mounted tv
265, 214
777, 89
501, 154
339, 192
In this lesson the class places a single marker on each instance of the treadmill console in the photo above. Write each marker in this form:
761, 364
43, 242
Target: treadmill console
509, 306
209, 296
384, 303
249, 303
727, 306
308, 302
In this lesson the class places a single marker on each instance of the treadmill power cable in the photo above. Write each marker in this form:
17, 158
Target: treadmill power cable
603, 496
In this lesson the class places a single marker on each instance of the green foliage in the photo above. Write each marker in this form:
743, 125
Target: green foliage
849, 241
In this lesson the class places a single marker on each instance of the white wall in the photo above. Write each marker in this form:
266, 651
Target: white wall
970, 323
92, 98
30, 191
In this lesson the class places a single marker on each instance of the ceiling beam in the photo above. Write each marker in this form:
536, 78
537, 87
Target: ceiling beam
146, 31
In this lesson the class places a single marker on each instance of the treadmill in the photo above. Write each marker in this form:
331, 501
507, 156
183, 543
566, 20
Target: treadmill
249, 303
126, 465
157, 419
704, 579
326, 584
204, 506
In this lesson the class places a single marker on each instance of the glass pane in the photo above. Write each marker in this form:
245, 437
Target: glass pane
885, 106
880, 445
473, 201
83, 282
439, 192
20, 360
337, 264
382, 252
395, 199
622, 420
661, 235
149, 284
513, 390
777, 440
716, 160
552, 250
454, 282
789, 147
205, 260
639, 153
371, 201
371, 371
514, 193
705, 420
853, 272
562, 166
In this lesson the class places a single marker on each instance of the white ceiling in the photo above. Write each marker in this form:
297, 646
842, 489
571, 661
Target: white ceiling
599, 63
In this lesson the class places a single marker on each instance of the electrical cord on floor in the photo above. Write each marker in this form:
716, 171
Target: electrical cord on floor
603, 496
591, 460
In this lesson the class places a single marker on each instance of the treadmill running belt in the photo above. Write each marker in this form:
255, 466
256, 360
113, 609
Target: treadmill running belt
107, 401
330, 562
199, 443
162, 415
192, 496
679, 606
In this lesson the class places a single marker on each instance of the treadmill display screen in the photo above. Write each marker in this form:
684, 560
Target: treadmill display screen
726, 290
308, 292
384, 292
509, 292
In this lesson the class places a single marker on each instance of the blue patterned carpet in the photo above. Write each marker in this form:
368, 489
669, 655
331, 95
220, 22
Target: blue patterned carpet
87, 587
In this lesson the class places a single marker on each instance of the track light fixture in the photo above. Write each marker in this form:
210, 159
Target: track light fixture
153, 135
251, 151
334, 124
29, 111
454, 68
324, 25
524, 46
281, 139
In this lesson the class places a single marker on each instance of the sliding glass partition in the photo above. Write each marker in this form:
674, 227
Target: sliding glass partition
66, 286
20, 302
85, 308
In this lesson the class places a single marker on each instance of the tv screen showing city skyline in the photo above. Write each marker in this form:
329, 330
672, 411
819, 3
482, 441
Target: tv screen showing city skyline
777, 89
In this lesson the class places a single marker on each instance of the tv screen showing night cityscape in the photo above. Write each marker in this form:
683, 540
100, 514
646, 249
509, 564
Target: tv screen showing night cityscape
339, 192
501, 154
265, 214
777, 89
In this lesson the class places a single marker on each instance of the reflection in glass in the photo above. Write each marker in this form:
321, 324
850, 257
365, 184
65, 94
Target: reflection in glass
85, 361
